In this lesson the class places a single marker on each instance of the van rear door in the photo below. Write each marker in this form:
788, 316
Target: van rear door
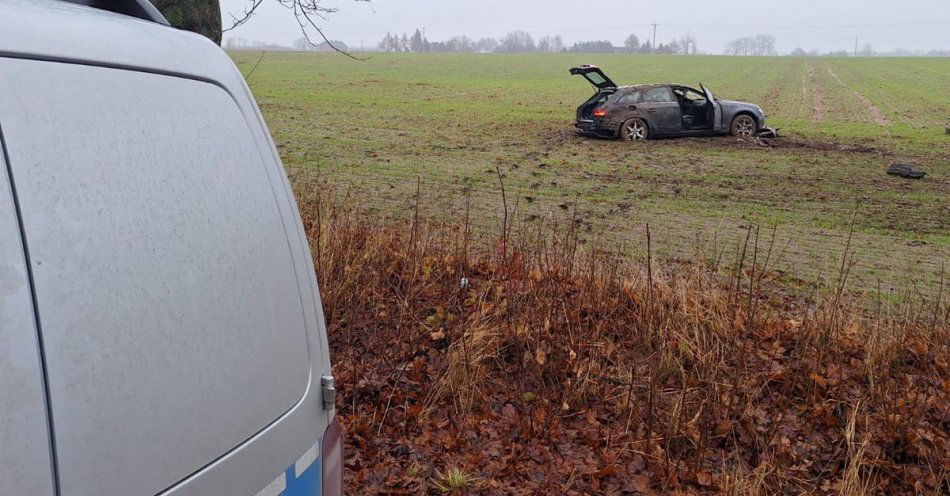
170, 312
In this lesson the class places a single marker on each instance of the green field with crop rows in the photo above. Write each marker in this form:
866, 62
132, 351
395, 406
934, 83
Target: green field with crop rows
377, 126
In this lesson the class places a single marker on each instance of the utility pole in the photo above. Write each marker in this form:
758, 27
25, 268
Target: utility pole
653, 47
855, 46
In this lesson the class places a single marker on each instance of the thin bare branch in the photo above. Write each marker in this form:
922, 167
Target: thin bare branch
248, 75
304, 12
321, 33
245, 15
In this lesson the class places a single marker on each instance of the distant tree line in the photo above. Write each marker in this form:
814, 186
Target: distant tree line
868, 51
523, 42
301, 44
760, 44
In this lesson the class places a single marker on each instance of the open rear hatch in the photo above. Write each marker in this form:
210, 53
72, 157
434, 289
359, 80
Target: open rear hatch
593, 74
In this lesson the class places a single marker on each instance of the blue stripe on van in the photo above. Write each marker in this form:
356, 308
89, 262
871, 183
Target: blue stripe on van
310, 481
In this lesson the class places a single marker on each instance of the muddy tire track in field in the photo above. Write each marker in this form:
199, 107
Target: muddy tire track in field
818, 100
804, 102
875, 112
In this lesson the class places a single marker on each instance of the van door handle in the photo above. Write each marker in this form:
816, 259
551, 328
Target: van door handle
632, 107
651, 110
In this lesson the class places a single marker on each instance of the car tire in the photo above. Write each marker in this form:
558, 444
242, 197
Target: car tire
743, 125
635, 130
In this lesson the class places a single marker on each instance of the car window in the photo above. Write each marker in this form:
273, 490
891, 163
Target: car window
693, 95
689, 94
660, 94
629, 98
595, 78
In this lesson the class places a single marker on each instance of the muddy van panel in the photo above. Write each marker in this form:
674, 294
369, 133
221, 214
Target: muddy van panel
25, 464
178, 308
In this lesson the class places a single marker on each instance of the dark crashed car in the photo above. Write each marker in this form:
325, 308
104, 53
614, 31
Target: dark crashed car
653, 110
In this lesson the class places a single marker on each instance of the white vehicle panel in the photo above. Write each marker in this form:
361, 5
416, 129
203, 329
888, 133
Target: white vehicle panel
25, 463
169, 304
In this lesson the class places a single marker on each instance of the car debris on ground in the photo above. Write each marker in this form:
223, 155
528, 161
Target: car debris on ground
767, 132
906, 170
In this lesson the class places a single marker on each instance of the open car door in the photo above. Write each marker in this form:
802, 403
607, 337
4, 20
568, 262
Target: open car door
593, 74
713, 110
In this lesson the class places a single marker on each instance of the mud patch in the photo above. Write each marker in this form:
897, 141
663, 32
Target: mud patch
833, 75
700, 143
784, 142
827, 146
875, 112
818, 104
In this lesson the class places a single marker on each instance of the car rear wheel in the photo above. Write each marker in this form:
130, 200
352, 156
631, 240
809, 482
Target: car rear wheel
743, 125
634, 130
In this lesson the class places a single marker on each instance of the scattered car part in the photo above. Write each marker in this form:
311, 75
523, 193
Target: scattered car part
906, 170
767, 132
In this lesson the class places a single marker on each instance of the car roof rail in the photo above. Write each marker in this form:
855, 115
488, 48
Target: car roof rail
142, 9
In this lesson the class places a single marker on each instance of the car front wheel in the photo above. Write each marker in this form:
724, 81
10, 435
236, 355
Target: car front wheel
634, 130
743, 125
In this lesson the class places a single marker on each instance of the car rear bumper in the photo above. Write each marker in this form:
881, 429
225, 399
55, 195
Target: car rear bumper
594, 128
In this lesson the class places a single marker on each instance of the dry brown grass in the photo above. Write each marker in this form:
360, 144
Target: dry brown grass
540, 365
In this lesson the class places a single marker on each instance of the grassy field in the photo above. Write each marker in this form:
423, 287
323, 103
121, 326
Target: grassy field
380, 125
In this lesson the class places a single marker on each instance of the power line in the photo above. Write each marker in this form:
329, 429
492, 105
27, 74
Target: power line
694, 26
827, 26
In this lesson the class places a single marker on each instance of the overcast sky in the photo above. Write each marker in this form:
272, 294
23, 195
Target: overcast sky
820, 24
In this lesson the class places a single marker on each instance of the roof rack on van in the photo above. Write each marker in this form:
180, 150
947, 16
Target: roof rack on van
142, 9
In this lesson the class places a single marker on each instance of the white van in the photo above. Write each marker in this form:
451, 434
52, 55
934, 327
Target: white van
160, 324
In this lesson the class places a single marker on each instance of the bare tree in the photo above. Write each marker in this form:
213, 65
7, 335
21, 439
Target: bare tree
632, 43
675, 47
302, 44
460, 44
764, 44
544, 44
760, 44
517, 42
307, 13
551, 44
487, 45
687, 43
389, 43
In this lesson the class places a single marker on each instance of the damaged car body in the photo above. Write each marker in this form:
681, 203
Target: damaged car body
646, 111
